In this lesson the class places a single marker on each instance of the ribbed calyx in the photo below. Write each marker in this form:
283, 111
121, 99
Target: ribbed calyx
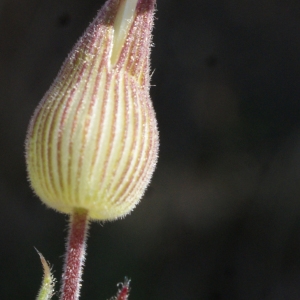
92, 142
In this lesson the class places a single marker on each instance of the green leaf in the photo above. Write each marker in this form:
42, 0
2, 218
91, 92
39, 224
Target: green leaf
47, 288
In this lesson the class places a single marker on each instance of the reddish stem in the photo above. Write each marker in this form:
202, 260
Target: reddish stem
76, 245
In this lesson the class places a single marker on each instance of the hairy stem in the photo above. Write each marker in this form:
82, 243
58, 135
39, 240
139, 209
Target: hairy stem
75, 256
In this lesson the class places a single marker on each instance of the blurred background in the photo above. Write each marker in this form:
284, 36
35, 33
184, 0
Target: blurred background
221, 217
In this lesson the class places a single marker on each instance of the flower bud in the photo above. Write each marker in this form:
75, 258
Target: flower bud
92, 142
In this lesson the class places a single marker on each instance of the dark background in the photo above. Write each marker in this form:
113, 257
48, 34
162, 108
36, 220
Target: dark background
221, 217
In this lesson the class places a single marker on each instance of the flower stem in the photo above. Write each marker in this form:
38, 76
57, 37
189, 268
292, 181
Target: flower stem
75, 255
